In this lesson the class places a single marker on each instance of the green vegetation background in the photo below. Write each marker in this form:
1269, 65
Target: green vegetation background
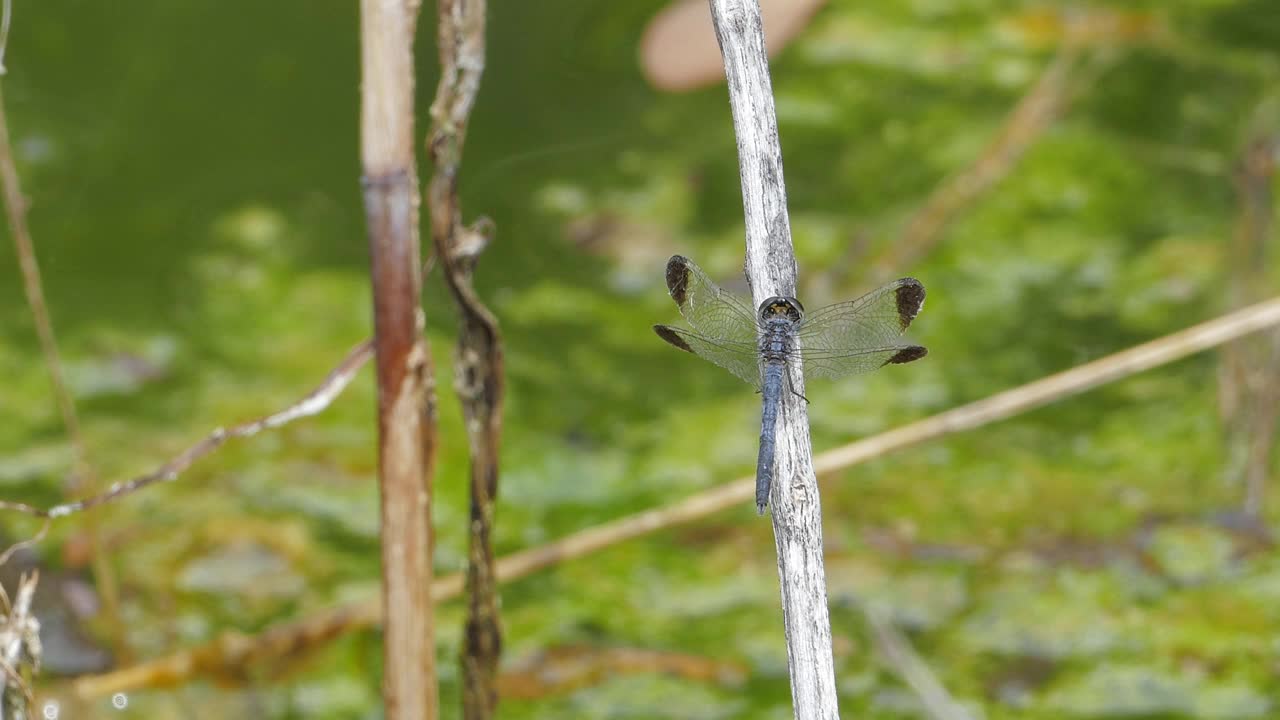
194, 176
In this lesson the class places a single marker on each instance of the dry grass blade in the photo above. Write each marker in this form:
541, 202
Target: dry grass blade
16, 212
912, 670
310, 404
314, 402
1035, 112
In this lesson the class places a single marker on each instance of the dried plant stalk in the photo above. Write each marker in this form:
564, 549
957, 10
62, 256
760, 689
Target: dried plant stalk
938, 704
1249, 381
478, 359
771, 269
313, 402
20, 650
406, 427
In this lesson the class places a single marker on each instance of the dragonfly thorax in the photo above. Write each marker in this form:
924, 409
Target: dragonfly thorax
779, 319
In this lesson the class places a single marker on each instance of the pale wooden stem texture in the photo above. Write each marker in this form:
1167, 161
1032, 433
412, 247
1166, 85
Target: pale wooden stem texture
771, 269
405, 428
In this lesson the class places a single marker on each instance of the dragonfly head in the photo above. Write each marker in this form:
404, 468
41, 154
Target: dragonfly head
781, 307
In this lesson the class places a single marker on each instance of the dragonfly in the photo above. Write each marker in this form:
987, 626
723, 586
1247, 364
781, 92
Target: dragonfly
838, 340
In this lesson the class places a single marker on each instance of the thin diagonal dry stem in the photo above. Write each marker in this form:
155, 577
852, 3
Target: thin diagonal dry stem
310, 404
478, 360
314, 402
82, 474
16, 211
1034, 113
29, 542
907, 664
232, 656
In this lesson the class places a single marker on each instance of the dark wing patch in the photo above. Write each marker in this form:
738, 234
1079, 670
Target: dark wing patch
872, 322
678, 278
823, 364
861, 335
910, 297
712, 311
907, 354
741, 359
671, 336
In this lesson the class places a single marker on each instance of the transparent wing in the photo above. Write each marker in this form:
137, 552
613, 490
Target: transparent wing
820, 363
741, 359
875, 320
861, 335
714, 312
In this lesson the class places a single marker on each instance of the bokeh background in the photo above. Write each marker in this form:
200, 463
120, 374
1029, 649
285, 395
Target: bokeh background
194, 177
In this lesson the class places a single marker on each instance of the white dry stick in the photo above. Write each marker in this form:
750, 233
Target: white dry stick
896, 648
771, 269
19, 647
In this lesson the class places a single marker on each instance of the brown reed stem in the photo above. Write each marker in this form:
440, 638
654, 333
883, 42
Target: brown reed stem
478, 358
406, 422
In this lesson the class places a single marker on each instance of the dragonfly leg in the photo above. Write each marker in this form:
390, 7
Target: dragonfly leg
792, 388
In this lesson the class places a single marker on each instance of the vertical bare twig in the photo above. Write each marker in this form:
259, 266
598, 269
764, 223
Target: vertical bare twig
19, 650
406, 425
1250, 382
5, 16
478, 376
771, 269
16, 211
